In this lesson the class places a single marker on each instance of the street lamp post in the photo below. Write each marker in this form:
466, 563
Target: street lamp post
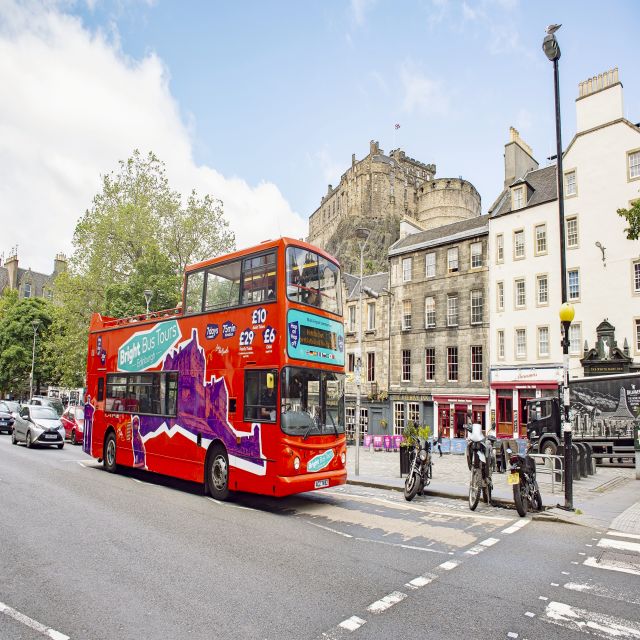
551, 49
35, 324
362, 234
148, 294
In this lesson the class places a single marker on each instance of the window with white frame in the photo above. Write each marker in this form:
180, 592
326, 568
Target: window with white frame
521, 294
501, 344
452, 311
430, 363
572, 232
27, 290
371, 316
518, 197
476, 255
429, 312
352, 318
518, 244
430, 265
476, 363
521, 343
543, 342
477, 306
575, 338
636, 277
634, 165
573, 278
398, 418
570, 183
452, 260
406, 314
351, 362
350, 415
413, 412
541, 239
406, 269
500, 296
406, 365
452, 364
542, 289
364, 420
371, 366
499, 248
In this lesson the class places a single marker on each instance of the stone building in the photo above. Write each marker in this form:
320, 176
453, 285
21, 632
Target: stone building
377, 190
439, 328
28, 283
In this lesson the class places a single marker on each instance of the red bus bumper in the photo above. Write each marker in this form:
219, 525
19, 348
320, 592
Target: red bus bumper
288, 485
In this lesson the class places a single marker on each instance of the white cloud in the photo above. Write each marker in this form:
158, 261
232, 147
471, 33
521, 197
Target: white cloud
73, 105
359, 9
421, 93
330, 169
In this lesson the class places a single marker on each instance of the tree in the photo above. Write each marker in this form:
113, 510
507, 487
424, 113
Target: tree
16, 344
632, 216
137, 235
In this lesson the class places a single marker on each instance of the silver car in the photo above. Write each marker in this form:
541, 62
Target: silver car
38, 425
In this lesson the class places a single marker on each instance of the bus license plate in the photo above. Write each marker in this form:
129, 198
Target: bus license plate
513, 478
320, 484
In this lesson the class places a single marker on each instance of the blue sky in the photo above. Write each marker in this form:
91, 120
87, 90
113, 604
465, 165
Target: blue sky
263, 103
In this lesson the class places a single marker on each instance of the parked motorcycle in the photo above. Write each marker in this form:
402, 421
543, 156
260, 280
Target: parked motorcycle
420, 468
481, 462
522, 476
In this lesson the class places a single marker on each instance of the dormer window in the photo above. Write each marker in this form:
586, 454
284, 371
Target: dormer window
518, 199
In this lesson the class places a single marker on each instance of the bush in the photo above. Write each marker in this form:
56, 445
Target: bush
414, 431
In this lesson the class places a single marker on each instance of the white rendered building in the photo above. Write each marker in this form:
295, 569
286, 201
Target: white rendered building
601, 168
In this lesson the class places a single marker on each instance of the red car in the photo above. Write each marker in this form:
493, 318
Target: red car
73, 422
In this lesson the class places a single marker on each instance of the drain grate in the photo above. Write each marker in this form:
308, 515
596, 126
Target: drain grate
610, 484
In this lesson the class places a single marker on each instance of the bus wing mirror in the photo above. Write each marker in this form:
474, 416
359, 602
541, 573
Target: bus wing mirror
271, 381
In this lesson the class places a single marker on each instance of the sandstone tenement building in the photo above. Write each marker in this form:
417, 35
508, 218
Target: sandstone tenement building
28, 283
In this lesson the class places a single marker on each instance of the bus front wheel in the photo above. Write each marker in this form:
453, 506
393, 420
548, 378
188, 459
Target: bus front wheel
218, 473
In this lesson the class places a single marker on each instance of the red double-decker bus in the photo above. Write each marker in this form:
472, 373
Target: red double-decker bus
242, 387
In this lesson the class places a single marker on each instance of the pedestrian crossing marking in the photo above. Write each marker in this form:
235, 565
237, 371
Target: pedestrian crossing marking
576, 619
612, 565
620, 534
620, 545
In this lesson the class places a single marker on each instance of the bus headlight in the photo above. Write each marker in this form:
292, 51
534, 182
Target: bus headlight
296, 463
343, 458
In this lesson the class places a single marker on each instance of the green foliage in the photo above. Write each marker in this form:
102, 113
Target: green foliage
414, 431
16, 343
632, 216
137, 235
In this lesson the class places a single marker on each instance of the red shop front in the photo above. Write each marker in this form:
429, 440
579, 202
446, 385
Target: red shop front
452, 413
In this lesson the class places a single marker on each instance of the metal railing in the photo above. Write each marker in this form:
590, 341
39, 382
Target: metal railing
552, 465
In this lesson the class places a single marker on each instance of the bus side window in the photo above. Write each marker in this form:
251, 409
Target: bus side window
195, 291
260, 392
100, 397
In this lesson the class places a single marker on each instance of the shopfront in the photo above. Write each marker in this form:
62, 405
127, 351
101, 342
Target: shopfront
452, 413
510, 390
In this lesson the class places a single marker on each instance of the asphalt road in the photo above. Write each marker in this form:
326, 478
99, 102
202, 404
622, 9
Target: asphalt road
86, 554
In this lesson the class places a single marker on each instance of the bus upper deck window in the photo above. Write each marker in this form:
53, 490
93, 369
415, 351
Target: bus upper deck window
195, 289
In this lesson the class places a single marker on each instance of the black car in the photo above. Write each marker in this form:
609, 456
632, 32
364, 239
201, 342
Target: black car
6, 418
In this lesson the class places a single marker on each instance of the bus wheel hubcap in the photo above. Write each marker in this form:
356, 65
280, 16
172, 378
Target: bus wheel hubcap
111, 452
219, 473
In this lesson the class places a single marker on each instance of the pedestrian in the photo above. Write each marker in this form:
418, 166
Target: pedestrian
439, 443
268, 404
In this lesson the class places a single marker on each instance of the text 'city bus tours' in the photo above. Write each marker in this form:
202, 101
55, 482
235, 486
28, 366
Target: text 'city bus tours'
242, 387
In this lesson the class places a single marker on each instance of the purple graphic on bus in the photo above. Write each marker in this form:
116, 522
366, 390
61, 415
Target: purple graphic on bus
137, 444
88, 425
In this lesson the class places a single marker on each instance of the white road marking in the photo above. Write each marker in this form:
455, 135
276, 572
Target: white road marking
530, 614
581, 553
619, 534
511, 634
474, 551
599, 624
220, 503
622, 545
82, 464
32, 624
340, 533
564, 573
612, 565
601, 591
588, 545
574, 562
447, 566
420, 581
542, 598
555, 584
515, 527
489, 542
388, 601
352, 623
401, 546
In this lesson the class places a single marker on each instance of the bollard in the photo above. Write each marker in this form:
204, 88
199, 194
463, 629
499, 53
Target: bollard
582, 460
576, 454
591, 469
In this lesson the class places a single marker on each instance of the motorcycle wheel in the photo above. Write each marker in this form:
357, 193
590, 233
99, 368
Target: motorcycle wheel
486, 491
411, 486
537, 498
475, 486
519, 499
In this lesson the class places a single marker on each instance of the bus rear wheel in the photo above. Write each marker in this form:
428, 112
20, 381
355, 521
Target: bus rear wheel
218, 473
110, 453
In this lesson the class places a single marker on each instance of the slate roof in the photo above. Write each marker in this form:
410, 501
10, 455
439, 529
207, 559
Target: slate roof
544, 188
441, 235
376, 281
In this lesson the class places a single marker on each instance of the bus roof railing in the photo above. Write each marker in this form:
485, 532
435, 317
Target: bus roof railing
142, 317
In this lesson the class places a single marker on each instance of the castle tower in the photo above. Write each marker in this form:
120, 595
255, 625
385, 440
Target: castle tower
447, 200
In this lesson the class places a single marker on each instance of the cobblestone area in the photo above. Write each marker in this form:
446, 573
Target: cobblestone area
629, 520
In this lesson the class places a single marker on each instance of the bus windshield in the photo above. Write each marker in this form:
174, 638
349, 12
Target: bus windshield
312, 402
313, 280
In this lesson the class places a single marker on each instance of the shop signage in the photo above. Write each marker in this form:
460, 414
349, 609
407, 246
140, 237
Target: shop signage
528, 375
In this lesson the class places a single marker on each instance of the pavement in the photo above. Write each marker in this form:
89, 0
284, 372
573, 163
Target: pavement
609, 497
